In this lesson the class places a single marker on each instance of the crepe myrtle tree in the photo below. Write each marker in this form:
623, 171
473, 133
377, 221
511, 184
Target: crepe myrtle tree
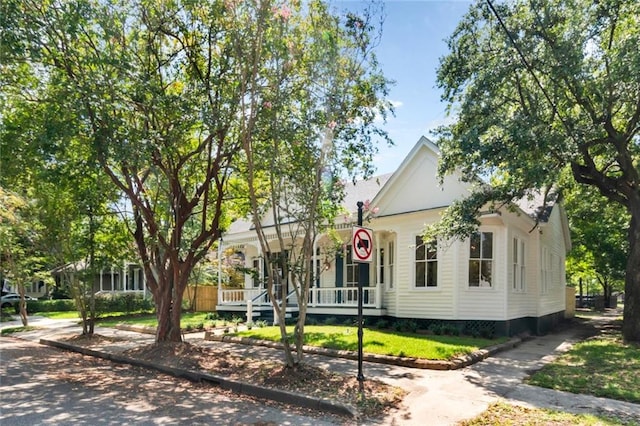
320, 95
538, 86
157, 90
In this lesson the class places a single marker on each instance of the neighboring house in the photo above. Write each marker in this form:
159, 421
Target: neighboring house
33, 289
125, 278
509, 276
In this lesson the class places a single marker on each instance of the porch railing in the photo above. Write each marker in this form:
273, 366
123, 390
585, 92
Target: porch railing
329, 296
342, 296
241, 295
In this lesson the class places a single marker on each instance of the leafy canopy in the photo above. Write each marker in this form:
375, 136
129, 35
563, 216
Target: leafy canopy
539, 85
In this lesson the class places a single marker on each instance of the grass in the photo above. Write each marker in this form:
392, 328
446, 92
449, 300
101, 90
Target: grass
59, 315
381, 341
11, 330
501, 413
602, 366
188, 320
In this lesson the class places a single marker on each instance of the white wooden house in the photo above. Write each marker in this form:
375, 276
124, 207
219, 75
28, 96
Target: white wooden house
509, 276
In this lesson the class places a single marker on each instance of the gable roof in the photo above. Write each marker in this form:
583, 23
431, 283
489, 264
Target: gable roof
415, 186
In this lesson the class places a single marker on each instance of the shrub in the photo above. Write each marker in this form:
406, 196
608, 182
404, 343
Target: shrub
261, 323
381, 324
330, 321
486, 332
211, 316
451, 330
436, 329
406, 326
57, 305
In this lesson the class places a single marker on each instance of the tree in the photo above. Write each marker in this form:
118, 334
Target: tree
321, 95
538, 86
21, 261
45, 161
156, 88
599, 247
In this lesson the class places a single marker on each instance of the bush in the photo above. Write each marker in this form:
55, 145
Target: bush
450, 330
381, 324
211, 316
486, 332
406, 326
57, 305
261, 323
330, 321
127, 303
436, 329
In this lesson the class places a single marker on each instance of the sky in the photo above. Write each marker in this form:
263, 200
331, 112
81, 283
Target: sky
413, 40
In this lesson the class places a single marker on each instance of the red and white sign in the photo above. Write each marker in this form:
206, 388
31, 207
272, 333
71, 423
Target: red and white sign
362, 243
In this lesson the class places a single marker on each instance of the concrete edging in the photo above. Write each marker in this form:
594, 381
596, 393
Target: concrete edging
427, 364
277, 395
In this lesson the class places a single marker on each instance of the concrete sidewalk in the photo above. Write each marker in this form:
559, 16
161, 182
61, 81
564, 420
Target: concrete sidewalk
434, 397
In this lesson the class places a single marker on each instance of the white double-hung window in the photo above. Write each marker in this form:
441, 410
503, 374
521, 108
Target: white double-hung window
518, 265
481, 259
426, 264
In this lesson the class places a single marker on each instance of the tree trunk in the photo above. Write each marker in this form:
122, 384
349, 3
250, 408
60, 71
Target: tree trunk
631, 321
22, 305
168, 312
168, 297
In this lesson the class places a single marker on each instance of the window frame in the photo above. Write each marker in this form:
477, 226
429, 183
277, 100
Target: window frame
518, 265
390, 267
479, 237
429, 260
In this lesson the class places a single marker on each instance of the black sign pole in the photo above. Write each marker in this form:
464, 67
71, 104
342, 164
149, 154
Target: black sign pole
361, 273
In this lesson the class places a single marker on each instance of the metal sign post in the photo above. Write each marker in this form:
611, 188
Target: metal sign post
362, 248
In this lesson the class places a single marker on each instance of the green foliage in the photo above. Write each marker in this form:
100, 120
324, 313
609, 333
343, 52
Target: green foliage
540, 88
437, 329
55, 305
501, 413
381, 324
599, 366
211, 316
405, 325
126, 303
330, 321
10, 330
598, 237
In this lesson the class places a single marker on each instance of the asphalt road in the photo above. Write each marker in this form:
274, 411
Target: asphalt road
42, 385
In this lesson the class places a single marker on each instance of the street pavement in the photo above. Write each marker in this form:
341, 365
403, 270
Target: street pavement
434, 397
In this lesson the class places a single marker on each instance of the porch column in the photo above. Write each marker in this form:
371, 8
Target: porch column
313, 292
379, 243
125, 276
219, 270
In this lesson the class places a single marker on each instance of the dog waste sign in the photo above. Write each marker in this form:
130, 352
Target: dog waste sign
362, 243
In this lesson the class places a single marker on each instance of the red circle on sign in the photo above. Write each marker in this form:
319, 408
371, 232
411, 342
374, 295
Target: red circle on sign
357, 241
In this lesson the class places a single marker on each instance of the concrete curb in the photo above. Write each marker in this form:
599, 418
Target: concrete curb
426, 364
277, 395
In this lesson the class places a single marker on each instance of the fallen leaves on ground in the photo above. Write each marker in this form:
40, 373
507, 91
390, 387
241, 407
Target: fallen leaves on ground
373, 400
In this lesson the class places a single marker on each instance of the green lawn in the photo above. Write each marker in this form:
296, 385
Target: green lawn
505, 414
602, 366
380, 341
188, 320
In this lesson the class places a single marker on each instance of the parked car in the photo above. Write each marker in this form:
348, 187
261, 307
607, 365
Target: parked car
13, 300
